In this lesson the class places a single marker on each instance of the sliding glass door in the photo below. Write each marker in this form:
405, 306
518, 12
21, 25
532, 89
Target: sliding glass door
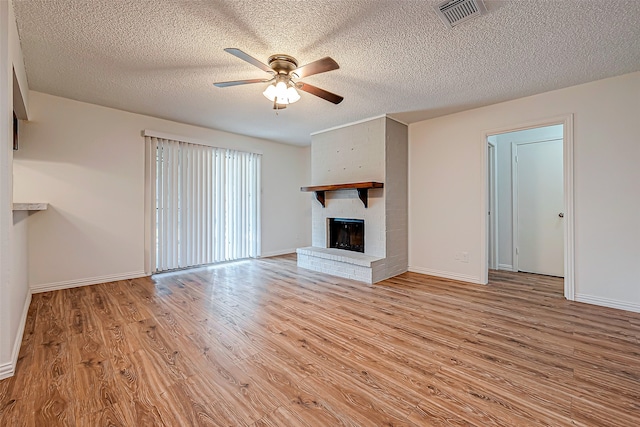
207, 204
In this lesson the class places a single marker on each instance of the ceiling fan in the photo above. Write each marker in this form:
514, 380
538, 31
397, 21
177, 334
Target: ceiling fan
284, 72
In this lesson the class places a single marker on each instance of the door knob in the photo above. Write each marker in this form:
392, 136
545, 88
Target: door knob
561, 214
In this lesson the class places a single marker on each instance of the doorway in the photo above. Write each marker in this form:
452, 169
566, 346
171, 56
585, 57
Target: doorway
529, 199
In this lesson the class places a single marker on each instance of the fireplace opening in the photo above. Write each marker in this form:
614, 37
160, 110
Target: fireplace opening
346, 233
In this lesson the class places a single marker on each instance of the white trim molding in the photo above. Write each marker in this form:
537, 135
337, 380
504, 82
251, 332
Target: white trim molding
8, 369
447, 275
46, 287
396, 120
358, 122
492, 201
569, 213
607, 302
505, 267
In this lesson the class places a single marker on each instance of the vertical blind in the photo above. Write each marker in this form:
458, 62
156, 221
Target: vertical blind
207, 206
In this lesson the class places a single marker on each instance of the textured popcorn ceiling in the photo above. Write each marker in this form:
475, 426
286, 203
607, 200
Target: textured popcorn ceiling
160, 57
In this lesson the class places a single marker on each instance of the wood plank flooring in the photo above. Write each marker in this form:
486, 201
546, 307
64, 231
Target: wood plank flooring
263, 343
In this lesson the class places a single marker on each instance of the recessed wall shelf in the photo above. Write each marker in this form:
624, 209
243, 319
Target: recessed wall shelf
361, 187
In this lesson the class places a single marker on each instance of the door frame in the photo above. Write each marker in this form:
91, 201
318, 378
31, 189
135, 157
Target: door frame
515, 260
568, 184
492, 191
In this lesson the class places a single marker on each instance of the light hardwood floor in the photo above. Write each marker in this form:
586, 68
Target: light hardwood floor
263, 343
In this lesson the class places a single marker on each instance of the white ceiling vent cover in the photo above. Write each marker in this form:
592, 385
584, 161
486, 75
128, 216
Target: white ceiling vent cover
454, 12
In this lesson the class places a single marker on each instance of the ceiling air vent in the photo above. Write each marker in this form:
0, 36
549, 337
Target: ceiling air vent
454, 12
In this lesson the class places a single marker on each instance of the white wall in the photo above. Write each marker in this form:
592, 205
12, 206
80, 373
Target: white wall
446, 186
87, 161
14, 292
7, 330
504, 180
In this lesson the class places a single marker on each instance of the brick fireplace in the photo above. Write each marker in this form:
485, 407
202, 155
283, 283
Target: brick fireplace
373, 151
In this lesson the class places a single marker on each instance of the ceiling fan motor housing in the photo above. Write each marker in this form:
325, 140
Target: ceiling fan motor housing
283, 64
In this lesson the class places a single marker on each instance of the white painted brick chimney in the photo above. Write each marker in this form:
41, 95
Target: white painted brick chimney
374, 150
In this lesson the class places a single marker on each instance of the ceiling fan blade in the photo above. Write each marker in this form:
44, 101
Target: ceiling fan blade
316, 67
250, 59
313, 90
241, 82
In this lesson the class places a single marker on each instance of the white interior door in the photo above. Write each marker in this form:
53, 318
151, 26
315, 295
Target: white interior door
539, 201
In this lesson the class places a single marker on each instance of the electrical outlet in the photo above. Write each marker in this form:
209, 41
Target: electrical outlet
461, 256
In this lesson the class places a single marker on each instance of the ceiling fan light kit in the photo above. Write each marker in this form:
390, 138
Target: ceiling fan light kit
284, 69
282, 91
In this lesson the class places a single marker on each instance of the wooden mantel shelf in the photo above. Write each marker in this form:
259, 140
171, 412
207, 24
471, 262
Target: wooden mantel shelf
361, 187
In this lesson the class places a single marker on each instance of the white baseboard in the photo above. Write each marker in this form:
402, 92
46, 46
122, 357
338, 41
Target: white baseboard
606, 302
8, 369
46, 287
446, 275
277, 253
505, 267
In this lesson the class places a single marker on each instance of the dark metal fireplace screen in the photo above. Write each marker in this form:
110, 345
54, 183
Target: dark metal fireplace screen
346, 233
